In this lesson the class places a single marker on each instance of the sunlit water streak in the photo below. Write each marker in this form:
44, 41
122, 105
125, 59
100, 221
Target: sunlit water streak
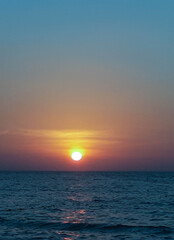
98, 205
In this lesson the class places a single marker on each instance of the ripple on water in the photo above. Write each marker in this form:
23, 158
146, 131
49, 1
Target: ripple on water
86, 205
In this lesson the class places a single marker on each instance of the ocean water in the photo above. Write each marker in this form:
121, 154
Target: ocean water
86, 205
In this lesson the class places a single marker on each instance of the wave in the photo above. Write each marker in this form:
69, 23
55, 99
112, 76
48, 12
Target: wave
85, 226
113, 228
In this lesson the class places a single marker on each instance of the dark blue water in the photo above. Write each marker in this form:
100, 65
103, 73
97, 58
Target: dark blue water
98, 205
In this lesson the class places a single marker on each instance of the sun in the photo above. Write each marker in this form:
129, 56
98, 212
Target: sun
76, 156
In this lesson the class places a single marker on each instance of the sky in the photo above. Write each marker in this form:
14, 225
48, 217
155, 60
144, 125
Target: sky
95, 76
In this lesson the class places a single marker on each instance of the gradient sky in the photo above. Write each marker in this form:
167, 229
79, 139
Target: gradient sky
96, 75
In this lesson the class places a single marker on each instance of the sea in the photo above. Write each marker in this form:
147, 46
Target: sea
86, 205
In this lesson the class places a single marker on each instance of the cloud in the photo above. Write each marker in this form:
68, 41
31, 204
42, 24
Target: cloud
53, 140
63, 135
71, 135
5, 132
67, 133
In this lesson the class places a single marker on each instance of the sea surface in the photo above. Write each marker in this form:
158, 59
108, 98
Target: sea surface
86, 205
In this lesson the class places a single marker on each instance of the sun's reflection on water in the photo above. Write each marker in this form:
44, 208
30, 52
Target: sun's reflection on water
68, 235
75, 217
